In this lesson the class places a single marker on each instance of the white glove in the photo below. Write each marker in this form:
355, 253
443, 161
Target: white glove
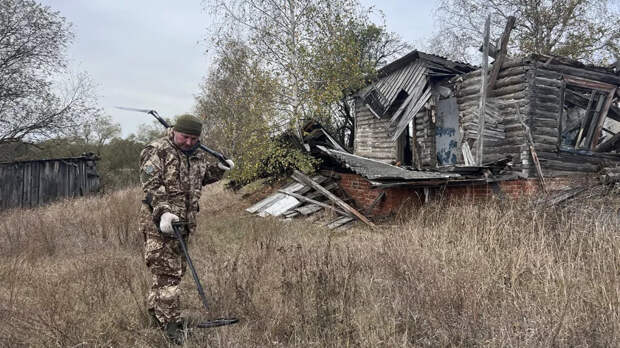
230, 163
165, 223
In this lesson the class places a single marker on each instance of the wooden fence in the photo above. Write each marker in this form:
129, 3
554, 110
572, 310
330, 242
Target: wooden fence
27, 184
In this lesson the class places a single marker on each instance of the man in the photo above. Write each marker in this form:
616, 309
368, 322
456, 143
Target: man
173, 171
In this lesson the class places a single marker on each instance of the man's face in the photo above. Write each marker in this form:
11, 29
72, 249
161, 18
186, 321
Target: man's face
185, 141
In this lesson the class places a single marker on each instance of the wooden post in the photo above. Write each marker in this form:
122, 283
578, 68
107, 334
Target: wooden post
503, 51
483, 89
601, 121
561, 121
530, 142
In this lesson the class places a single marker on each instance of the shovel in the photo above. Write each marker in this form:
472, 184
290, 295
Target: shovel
178, 227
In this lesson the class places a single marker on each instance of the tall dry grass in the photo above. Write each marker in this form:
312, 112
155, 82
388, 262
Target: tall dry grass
496, 273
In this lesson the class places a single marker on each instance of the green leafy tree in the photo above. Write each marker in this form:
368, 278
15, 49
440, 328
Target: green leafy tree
237, 103
314, 49
586, 30
317, 51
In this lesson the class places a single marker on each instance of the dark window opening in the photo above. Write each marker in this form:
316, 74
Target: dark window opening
589, 117
400, 99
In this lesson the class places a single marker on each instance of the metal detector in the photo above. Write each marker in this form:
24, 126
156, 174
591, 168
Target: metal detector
177, 227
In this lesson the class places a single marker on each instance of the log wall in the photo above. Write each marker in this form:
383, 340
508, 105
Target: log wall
424, 138
371, 136
545, 85
510, 92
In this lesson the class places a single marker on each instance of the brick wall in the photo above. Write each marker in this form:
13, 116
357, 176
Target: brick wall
358, 188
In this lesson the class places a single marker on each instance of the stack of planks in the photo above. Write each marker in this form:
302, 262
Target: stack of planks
307, 196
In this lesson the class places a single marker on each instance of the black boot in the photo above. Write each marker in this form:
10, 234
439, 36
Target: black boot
175, 332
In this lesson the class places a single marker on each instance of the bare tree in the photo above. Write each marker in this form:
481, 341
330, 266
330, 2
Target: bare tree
33, 39
587, 30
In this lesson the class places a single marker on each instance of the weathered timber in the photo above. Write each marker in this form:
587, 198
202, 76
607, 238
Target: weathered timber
565, 195
551, 132
508, 89
548, 74
483, 90
522, 94
592, 127
501, 54
339, 222
302, 178
534, 155
610, 144
315, 202
587, 74
546, 82
469, 87
561, 116
544, 139
575, 167
601, 120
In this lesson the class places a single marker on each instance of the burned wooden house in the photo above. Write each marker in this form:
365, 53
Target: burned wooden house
546, 118
26, 184
426, 117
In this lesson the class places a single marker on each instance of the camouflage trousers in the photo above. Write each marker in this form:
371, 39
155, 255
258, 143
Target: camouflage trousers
166, 263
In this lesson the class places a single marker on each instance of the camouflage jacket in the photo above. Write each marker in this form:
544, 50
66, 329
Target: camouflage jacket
172, 181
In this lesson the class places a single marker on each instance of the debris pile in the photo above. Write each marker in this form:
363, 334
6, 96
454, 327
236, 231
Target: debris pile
307, 196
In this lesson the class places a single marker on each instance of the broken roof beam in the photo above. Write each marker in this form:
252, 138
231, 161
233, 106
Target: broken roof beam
503, 51
302, 178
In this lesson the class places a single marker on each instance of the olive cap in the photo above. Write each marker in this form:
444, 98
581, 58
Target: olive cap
188, 124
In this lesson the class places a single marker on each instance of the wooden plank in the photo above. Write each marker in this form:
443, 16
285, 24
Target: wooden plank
610, 144
587, 83
530, 141
602, 117
320, 204
308, 209
467, 156
592, 126
302, 178
483, 90
502, 52
586, 119
339, 222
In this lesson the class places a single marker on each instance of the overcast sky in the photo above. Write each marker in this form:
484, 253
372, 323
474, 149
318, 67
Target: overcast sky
152, 53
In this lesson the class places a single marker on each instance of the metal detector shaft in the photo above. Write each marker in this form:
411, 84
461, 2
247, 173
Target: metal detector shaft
209, 323
163, 122
176, 227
